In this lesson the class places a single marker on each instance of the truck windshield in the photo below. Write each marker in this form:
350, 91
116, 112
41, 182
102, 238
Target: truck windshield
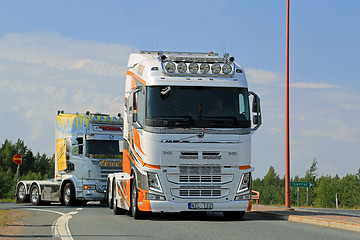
200, 107
103, 149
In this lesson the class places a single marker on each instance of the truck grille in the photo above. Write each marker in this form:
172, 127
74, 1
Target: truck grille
200, 193
199, 179
194, 192
218, 179
200, 169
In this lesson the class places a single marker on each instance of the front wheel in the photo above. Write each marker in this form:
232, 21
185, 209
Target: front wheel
35, 196
135, 212
69, 194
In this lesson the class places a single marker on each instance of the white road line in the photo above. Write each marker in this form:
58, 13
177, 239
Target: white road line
79, 209
60, 228
73, 213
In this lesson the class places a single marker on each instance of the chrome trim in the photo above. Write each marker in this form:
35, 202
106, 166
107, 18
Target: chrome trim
194, 131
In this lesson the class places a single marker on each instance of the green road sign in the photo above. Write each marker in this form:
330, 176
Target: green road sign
301, 184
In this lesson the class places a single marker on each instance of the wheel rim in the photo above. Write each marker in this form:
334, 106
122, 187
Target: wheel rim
34, 195
67, 194
21, 192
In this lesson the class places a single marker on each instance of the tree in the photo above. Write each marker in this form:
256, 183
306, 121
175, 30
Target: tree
35, 167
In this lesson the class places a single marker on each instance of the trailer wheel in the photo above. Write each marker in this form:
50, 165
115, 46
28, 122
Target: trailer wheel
135, 212
234, 215
35, 197
109, 196
21, 193
69, 194
117, 211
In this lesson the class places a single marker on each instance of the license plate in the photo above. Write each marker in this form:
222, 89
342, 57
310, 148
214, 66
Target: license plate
200, 205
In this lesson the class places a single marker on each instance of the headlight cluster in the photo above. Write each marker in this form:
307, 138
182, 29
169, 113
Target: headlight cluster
96, 118
154, 183
245, 183
198, 68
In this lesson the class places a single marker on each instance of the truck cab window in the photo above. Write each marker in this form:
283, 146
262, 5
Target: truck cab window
80, 145
139, 106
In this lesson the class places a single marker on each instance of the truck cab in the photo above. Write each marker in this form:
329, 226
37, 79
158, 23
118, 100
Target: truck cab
187, 135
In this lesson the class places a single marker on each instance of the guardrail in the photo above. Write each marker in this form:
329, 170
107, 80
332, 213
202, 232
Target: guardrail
255, 195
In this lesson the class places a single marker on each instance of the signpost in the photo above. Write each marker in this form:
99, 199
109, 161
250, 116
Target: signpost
18, 160
299, 185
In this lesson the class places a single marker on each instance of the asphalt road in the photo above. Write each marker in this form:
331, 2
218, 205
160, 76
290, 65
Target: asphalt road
95, 221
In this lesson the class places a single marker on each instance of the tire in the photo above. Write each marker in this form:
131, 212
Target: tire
234, 215
35, 197
109, 196
21, 193
68, 195
117, 211
135, 212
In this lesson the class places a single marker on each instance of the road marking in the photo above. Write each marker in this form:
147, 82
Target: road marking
73, 213
79, 209
60, 227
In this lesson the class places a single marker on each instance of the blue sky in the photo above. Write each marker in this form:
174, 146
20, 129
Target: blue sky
72, 55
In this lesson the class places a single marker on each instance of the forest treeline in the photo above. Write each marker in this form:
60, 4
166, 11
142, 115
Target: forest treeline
38, 166
322, 194
271, 186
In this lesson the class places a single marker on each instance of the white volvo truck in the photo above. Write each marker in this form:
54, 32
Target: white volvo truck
88, 147
187, 135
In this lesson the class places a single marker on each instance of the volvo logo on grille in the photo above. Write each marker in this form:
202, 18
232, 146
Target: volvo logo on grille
201, 134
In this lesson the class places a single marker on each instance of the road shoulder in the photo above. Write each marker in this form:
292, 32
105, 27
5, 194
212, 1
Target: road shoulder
339, 221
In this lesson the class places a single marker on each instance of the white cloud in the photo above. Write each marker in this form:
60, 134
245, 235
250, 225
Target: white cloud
261, 76
276, 130
313, 85
41, 73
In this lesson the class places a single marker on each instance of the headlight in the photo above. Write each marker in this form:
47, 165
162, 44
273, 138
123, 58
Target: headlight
101, 188
170, 67
227, 68
245, 183
154, 183
204, 68
181, 67
215, 68
193, 67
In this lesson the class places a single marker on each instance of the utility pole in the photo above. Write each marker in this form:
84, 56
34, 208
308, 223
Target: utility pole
287, 126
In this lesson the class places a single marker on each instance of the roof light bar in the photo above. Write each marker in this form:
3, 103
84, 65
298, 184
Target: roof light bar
200, 64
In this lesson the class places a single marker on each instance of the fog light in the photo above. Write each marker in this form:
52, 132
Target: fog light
242, 197
150, 196
89, 187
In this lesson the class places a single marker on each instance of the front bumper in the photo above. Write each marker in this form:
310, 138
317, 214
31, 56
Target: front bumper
169, 206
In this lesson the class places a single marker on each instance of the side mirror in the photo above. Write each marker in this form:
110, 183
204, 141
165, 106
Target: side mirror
256, 104
134, 117
257, 119
256, 109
